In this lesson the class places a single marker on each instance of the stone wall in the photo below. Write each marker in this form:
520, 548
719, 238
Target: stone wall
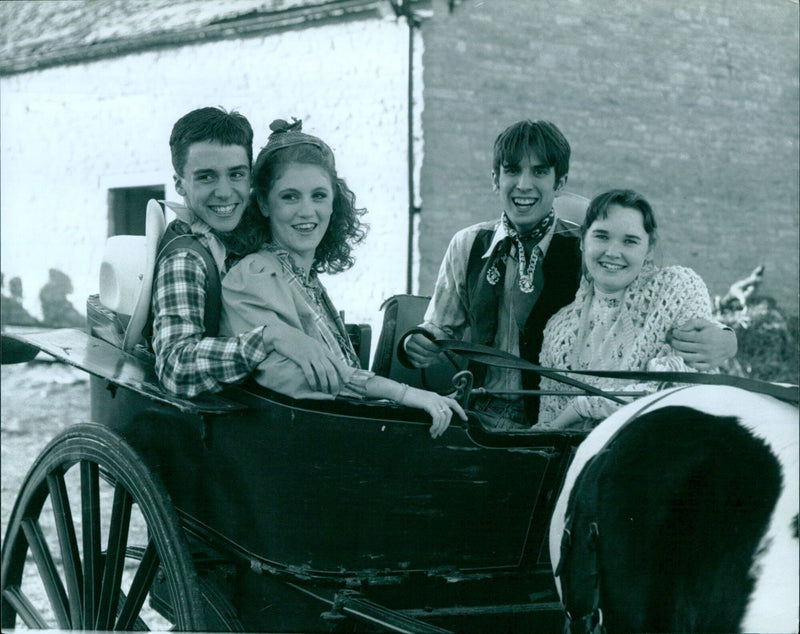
695, 104
69, 134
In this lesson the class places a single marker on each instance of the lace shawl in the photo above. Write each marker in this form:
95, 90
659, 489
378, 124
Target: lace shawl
657, 301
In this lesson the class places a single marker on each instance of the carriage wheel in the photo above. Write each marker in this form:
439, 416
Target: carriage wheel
94, 570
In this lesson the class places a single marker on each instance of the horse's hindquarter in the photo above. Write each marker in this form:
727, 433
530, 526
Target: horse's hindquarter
774, 602
774, 599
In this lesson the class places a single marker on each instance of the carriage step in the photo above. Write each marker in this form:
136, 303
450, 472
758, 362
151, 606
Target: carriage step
351, 604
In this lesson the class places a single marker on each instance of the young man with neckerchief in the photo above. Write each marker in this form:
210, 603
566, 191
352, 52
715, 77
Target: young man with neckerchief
504, 278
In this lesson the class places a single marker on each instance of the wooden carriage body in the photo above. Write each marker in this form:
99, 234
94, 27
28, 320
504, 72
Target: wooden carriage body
326, 515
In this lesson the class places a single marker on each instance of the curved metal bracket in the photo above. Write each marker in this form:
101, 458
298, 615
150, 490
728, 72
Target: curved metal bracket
462, 382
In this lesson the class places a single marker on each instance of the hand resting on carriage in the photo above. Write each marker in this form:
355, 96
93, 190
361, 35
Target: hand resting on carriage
279, 373
440, 407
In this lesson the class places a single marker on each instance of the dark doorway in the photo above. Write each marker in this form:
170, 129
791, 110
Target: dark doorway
126, 208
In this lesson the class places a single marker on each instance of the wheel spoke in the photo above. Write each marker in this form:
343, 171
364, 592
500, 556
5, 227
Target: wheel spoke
92, 557
82, 572
140, 586
47, 571
30, 616
115, 558
68, 542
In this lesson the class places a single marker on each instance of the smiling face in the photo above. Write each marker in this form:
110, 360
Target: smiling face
615, 248
215, 183
527, 190
299, 205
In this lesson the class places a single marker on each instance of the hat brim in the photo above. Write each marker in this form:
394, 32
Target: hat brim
155, 224
571, 207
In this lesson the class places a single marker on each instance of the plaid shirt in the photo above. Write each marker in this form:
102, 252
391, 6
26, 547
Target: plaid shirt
187, 362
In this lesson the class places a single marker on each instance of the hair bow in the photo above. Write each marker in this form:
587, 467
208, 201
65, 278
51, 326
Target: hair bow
279, 126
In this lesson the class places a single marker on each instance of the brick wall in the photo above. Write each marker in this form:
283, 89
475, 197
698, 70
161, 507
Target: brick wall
695, 104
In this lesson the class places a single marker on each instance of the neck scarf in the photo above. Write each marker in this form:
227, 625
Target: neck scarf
327, 321
527, 264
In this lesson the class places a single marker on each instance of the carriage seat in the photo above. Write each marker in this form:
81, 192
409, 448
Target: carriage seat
400, 314
571, 208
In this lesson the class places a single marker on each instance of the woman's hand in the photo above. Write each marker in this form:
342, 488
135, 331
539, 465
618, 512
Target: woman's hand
440, 408
315, 360
567, 418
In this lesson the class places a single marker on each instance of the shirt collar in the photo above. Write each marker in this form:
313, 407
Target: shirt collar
215, 245
501, 234
286, 258
198, 226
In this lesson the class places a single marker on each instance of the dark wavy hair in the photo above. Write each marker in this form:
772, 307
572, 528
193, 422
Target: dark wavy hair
543, 138
345, 230
598, 208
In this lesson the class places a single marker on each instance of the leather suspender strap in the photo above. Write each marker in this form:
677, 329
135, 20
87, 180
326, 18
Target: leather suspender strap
213, 302
495, 357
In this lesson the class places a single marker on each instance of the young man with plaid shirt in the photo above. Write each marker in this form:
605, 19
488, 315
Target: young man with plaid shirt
212, 153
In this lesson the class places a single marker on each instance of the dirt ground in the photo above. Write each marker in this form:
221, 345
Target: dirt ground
39, 399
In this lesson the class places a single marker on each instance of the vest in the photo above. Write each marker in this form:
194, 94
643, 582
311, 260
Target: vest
561, 268
176, 238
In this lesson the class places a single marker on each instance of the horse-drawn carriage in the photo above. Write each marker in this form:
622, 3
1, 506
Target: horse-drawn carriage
248, 510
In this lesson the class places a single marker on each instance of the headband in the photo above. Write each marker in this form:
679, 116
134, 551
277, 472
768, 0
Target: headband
285, 135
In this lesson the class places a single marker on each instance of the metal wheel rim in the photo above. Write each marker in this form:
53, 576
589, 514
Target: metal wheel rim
88, 596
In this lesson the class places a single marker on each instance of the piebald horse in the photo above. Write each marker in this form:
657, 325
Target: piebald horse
679, 513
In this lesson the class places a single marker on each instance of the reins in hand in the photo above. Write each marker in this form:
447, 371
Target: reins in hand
498, 358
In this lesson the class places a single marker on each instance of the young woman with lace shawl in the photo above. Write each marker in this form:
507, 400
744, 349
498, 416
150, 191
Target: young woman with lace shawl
622, 314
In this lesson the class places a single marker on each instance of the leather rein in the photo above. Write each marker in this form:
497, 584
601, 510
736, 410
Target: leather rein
498, 358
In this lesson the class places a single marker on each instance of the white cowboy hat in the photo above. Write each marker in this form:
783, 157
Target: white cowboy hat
570, 208
126, 274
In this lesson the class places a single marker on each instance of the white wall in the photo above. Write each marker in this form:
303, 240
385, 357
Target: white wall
69, 134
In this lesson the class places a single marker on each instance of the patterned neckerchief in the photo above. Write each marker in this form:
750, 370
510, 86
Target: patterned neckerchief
527, 267
311, 289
